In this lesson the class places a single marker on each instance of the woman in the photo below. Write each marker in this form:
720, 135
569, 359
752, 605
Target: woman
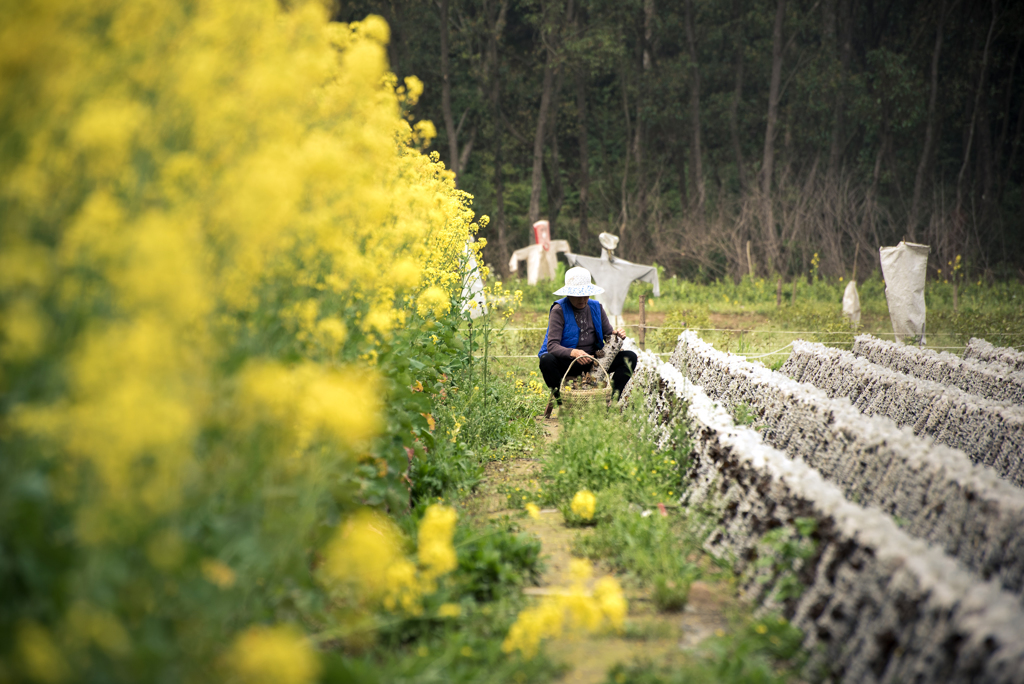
577, 327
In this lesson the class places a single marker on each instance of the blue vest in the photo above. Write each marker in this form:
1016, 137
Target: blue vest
571, 331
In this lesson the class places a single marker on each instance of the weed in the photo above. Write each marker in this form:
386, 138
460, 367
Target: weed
766, 651
602, 449
670, 593
782, 552
743, 415
645, 544
494, 561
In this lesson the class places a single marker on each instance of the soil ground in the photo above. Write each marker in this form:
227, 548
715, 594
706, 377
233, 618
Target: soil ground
648, 636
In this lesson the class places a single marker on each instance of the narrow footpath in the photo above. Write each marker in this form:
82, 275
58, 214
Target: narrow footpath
649, 636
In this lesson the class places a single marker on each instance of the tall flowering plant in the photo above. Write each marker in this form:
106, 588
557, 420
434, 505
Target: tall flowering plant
219, 242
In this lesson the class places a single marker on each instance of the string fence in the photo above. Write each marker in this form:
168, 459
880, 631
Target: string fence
749, 355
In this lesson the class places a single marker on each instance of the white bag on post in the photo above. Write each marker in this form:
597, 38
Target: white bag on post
904, 268
851, 303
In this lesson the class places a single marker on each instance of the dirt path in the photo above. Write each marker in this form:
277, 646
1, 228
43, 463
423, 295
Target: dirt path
648, 635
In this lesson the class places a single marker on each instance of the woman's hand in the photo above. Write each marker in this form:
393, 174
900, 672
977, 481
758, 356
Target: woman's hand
620, 333
584, 357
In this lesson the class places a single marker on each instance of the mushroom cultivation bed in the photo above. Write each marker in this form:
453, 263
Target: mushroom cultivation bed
996, 381
936, 492
880, 605
981, 350
990, 432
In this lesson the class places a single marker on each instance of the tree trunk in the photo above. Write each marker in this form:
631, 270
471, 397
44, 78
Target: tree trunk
985, 158
695, 147
552, 171
624, 216
1017, 137
836, 146
974, 114
537, 177
495, 28
446, 95
1005, 129
499, 198
768, 163
737, 94
581, 126
639, 138
680, 160
929, 130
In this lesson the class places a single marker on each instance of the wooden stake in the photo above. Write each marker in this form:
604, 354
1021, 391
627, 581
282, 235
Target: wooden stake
750, 262
643, 322
792, 300
778, 293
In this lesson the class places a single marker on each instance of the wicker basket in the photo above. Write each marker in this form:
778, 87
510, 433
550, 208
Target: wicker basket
578, 401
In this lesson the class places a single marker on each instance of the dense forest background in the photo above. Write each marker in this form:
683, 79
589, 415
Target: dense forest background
726, 137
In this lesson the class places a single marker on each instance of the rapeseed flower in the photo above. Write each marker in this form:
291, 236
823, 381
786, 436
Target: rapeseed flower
574, 607
273, 655
584, 504
435, 551
217, 218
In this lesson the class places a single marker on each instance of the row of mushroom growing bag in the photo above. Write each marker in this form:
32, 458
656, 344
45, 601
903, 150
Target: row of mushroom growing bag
919, 565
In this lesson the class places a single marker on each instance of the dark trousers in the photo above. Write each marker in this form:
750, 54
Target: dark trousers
553, 368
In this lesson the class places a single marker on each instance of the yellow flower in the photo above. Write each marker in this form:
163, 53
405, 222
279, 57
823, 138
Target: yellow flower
533, 510
761, 629
41, 657
217, 573
273, 655
449, 610
436, 553
573, 606
583, 504
613, 604
433, 300
366, 546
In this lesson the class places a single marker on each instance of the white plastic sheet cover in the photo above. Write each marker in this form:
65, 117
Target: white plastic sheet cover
473, 287
851, 303
903, 268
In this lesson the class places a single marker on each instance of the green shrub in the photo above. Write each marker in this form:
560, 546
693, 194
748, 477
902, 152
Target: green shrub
494, 561
670, 593
600, 449
763, 651
644, 543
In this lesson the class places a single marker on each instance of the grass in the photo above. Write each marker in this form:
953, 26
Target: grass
656, 546
486, 421
812, 309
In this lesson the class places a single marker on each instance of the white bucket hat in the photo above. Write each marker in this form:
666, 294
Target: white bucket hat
577, 284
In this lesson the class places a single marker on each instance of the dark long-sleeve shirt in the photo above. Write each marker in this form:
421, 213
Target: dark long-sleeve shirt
588, 334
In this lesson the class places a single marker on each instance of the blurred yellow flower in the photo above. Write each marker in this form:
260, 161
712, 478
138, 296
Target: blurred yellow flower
218, 573
583, 504
569, 607
449, 610
39, 655
362, 552
273, 655
435, 551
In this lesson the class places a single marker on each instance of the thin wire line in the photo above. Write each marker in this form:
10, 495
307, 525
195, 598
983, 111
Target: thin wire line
749, 355
773, 332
